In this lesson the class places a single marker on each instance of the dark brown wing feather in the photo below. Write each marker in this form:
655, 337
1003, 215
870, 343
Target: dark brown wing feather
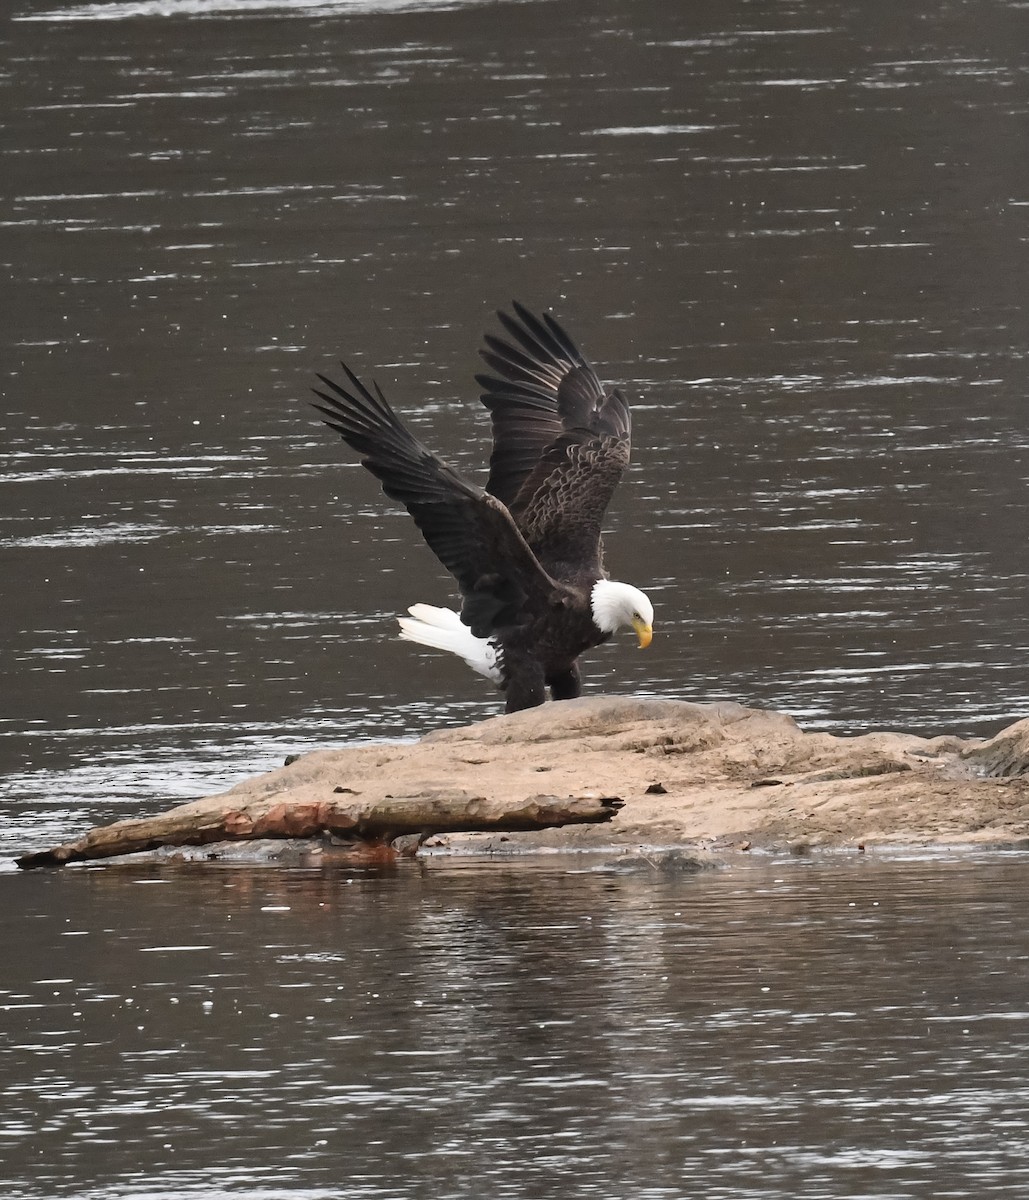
470, 532
560, 441
523, 403
567, 497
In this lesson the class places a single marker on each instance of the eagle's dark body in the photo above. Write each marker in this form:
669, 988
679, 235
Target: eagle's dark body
526, 551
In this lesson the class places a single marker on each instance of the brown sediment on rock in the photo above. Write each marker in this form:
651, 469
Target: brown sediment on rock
697, 775
1003, 756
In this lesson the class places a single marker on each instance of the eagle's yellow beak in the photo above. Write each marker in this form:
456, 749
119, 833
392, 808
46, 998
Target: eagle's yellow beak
643, 631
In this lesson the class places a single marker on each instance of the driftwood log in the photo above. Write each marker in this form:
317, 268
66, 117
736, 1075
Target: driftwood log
218, 819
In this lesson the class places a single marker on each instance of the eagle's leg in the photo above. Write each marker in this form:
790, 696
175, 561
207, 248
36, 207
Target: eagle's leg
567, 685
524, 685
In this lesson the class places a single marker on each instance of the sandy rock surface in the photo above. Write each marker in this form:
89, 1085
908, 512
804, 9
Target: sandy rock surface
717, 775
637, 775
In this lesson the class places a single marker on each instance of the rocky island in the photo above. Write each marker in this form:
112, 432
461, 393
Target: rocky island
603, 772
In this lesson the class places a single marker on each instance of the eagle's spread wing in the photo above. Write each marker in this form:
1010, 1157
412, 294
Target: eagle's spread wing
471, 532
560, 441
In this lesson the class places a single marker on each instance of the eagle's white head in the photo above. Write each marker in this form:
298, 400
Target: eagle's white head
616, 605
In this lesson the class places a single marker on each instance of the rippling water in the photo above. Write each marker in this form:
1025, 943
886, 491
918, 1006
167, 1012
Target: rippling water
793, 1031
797, 234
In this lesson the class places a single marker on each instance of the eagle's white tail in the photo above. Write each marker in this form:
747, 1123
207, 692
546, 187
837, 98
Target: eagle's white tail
442, 629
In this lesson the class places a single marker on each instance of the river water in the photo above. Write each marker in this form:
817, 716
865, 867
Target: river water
781, 1031
796, 234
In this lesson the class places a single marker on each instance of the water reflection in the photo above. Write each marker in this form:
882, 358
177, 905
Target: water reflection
779, 1031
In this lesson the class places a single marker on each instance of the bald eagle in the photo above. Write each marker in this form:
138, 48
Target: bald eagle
526, 551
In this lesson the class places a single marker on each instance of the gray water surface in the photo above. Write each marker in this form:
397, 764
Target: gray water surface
796, 234
792, 1030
